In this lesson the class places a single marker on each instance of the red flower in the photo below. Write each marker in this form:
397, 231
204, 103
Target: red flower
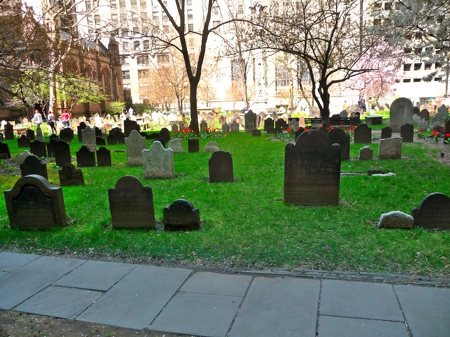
435, 133
419, 130
288, 130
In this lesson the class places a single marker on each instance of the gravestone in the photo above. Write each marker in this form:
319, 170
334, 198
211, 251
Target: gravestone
362, 134
203, 125
98, 132
225, 128
80, 129
66, 135
193, 145
425, 114
407, 133
422, 126
162, 141
433, 212
181, 215
112, 139
89, 138
390, 148
386, 132
30, 134
134, 146
280, 125
129, 126
158, 162
293, 124
131, 204
33, 203
441, 116
220, 167
164, 134
256, 133
23, 141
51, 146
176, 145
175, 128
38, 148
9, 131
210, 120
401, 112
85, 157
447, 132
415, 119
211, 147
120, 136
103, 157
250, 121
39, 134
4, 151
312, 170
2, 137
62, 153
299, 131
69, 175
33, 165
24, 156
342, 138
269, 125
100, 141
234, 127
365, 153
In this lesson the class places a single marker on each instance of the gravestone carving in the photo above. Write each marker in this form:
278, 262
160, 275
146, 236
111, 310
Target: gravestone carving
342, 138
38, 148
433, 212
390, 148
401, 112
362, 134
134, 146
33, 165
221, 167
158, 162
69, 175
407, 133
85, 157
103, 157
181, 215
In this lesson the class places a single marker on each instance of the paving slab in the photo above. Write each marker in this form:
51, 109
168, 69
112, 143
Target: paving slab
278, 307
9, 262
427, 310
219, 284
360, 300
95, 275
136, 300
26, 281
59, 302
330, 326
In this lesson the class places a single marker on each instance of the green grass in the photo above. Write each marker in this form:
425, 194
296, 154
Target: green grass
246, 223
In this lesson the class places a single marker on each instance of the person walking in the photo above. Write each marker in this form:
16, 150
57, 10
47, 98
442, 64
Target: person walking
65, 118
37, 117
51, 121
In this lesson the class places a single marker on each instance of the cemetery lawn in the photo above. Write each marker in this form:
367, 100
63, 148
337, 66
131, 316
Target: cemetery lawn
245, 224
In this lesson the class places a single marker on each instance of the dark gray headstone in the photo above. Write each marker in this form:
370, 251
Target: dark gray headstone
193, 145
407, 133
23, 141
33, 165
38, 148
225, 128
425, 114
69, 175
33, 203
299, 131
250, 121
112, 139
85, 157
401, 112
164, 134
130, 126
365, 153
234, 127
181, 215
4, 150
175, 128
51, 146
256, 133
9, 131
131, 204
433, 212
162, 141
80, 129
103, 157
62, 153
386, 132
203, 125
269, 125
342, 138
100, 141
66, 135
280, 125
312, 170
220, 167
30, 134
362, 134
89, 138
441, 116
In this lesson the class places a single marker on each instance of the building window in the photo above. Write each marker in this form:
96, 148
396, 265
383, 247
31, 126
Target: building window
146, 44
123, 60
406, 80
377, 5
142, 59
126, 74
190, 27
438, 79
437, 65
377, 22
427, 66
136, 45
417, 66
142, 73
407, 67
388, 6
126, 46
190, 17
166, 29
88, 5
417, 80
282, 76
216, 10
162, 58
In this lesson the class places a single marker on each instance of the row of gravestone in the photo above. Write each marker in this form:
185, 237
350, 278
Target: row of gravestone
34, 203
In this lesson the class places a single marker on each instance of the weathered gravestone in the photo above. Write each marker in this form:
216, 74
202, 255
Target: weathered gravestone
225, 128
112, 139
33, 203
234, 127
164, 134
193, 145
103, 157
280, 126
120, 136
69, 175
211, 147
80, 129
175, 128
39, 134
250, 121
386, 132
390, 148
158, 162
433, 212
256, 133
401, 112
85, 157
134, 146
269, 125
176, 145
220, 167
396, 219
407, 133
9, 131
131, 204
181, 215
441, 116
24, 156
422, 125
38, 148
365, 153
51, 146
4, 151
425, 114
415, 119
89, 138
100, 141
66, 135
62, 153
293, 124
362, 134
342, 138
23, 141
312, 170
299, 131
33, 165
30, 134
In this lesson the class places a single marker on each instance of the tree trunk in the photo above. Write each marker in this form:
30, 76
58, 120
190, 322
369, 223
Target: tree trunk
193, 101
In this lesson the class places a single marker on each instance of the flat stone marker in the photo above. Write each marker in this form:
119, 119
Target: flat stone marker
85, 156
135, 144
33, 203
10, 262
103, 157
158, 162
433, 212
390, 148
181, 215
33, 165
131, 204
220, 167
176, 145
69, 175
401, 112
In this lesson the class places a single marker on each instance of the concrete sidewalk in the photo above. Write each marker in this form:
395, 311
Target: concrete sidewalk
204, 303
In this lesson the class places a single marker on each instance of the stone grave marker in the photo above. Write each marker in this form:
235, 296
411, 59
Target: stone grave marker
425, 114
24, 156
80, 129
39, 134
164, 134
4, 151
99, 141
69, 175
23, 141
211, 147
51, 146
112, 139
234, 127
103, 157
433, 212
312, 170
175, 128
193, 145
181, 215
85, 157
362, 134
386, 132
390, 148
365, 153
210, 121
129, 126
256, 133
158, 162
135, 143
342, 138
423, 125
250, 121
33, 203
280, 125
225, 128
62, 153
407, 133
260, 119
30, 134
293, 124
2, 137
176, 145
38, 148
89, 138
203, 125
9, 131
162, 141
299, 131
415, 119
269, 125
131, 204
401, 112
33, 165
66, 135
416, 111
441, 116
220, 167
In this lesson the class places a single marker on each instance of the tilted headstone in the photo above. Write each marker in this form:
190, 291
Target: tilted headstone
220, 167
33, 165
135, 143
131, 204
342, 138
250, 121
23, 141
312, 170
158, 162
193, 145
181, 215
33, 203
386, 132
269, 125
103, 157
211, 147
69, 175
38, 148
390, 148
89, 138
66, 135
433, 212
362, 134
407, 133
62, 153
365, 153
164, 134
85, 157
176, 145
4, 151
401, 112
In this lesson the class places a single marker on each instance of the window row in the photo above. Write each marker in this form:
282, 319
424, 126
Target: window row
416, 80
418, 66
